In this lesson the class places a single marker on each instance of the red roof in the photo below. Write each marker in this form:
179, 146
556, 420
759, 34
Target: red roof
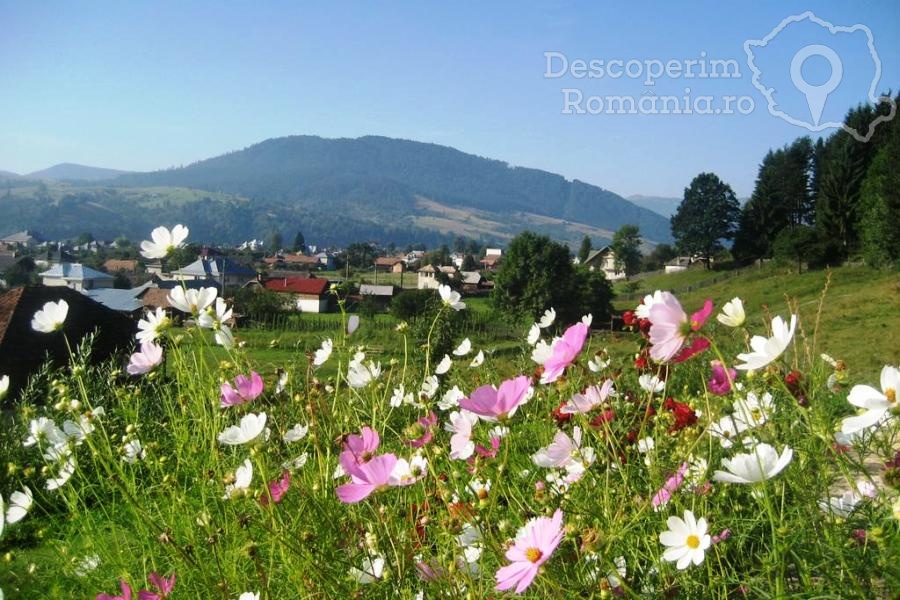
298, 285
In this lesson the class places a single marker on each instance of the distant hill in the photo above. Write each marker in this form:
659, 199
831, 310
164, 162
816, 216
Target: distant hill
335, 191
9, 175
661, 205
73, 172
411, 184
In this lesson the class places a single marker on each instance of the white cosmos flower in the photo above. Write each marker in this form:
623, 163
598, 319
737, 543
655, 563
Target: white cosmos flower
461, 424
547, 319
250, 428
597, 364
464, 348
249, 596
192, 301
765, 350
151, 327
19, 505
352, 324
408, 472
295, 433
762, 463
643, 310
726, 429
732, 314
477, 361
65, 473
587, 320
451, 298
400, 396
164, 241
534, 334
322, 354
877, 405
451, 398
371, 570
243, 476
360, 375
651, 383
149, 357
44, 430
134, 451
846, 503
296, 463
214, 317
753, 411
77, 432
542, 352
430, 387
4, 386
51, 317
443, 366
686, 540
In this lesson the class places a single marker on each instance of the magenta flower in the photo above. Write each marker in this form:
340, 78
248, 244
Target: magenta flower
146, 360
422, 431
499, 404
488, 453
721, 379
669, 326
126, 593
671, 485
563, 352
244, 391
163, 585
533, 546
362, 447
365, 478
277, 489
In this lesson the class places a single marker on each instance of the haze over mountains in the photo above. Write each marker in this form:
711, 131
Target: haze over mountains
334, 190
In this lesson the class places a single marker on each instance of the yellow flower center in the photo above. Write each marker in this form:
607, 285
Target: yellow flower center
693, 542
891, 395
533, 554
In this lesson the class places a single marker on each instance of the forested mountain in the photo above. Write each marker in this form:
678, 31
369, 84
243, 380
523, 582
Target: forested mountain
384, 179
336, 191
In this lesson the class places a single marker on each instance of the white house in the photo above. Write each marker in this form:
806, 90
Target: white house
426, 278
604, 260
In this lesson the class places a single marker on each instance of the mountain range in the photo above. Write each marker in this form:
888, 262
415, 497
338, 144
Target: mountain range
334, 190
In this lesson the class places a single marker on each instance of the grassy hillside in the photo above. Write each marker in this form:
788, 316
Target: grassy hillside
859, 318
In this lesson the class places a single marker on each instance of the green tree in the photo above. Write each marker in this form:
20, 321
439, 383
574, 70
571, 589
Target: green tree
879, 225
276, 241
658, 257
707, 215
585, 249
361, 255
299, 243
626, 245
469, 264
537, 273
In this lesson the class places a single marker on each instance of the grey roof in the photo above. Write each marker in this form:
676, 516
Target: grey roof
74, 272
471, 277
22, 237
120, 300
367, 289
215, 267
597, 253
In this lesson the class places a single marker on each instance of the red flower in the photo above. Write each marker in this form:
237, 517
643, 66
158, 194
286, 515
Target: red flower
683, 413
628, 318
560, 417
606, 416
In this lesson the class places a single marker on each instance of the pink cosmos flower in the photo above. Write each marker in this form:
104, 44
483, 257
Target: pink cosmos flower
564, 351
488, 453
533, 546
163, 585
460, 425
362, 447
277, 489
592, 397
423, 429
669, 326
245, 390
365, 478
720, 380
146, 360
499, 404
126, 593
671, 485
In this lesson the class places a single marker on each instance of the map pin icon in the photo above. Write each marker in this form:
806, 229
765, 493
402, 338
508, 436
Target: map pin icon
816, 95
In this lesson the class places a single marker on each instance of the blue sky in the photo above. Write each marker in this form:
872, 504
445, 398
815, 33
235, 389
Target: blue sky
143, 86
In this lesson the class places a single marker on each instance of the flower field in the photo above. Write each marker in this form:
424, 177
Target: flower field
714, 459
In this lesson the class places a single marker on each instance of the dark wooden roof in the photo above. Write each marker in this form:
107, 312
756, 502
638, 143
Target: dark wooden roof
23, 350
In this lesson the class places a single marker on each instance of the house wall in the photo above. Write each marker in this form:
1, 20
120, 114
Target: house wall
427, 281
311, 304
